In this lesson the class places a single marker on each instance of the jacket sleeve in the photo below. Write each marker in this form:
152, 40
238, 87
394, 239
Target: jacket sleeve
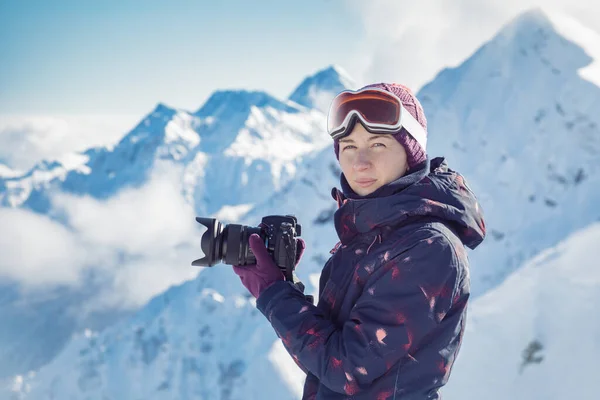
323, 278
401, 303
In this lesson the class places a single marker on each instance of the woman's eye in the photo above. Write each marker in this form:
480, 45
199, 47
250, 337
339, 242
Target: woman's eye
353, 147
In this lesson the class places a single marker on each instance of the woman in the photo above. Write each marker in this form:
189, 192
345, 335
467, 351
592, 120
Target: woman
393, 296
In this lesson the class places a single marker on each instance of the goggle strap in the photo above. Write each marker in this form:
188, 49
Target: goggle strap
414, 128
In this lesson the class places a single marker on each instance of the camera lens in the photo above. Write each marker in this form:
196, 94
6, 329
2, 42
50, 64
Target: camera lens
227, 244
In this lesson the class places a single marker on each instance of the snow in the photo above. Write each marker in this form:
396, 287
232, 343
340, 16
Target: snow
233, 213
344, 76
549, 304
76, 162
519, 122
7, 172
586, 38
318, 90
177, 346
180, 129
287, 370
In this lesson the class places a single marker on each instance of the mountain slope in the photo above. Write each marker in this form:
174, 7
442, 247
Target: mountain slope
177, 347
520, 122
536, 335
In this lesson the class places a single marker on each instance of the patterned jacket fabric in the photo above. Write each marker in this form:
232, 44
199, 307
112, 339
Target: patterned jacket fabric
392, 297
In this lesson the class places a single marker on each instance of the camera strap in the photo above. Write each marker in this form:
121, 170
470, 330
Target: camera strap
290, 258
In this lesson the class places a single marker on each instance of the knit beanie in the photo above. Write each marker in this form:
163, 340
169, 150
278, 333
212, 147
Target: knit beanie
414, 152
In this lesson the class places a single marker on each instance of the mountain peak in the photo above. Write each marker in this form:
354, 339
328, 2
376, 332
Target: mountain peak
538, 46
164, 109
227, 102
558, 40
317, 90
152, 125
335, 71
535, 16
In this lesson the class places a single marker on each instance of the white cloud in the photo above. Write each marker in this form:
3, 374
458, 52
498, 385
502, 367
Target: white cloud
153, 226
135, 220
410, 42
27, 139
36, 250
141, 241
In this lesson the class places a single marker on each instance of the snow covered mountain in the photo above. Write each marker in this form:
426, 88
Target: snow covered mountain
520, 120
246, 144
177, 347
517, 119
318, 90
235, 151
536, 335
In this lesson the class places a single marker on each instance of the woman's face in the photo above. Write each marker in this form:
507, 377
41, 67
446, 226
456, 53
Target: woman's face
369, 160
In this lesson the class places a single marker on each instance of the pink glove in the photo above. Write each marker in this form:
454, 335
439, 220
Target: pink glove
257, 277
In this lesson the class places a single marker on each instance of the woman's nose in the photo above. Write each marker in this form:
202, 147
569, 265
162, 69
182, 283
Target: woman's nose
362, 160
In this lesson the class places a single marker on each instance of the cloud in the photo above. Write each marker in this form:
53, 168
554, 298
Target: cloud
135, 220
25, 140
410, 42
140, 242
38, 251
150, 233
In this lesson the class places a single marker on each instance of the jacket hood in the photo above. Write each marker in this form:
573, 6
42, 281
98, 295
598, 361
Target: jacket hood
431, 191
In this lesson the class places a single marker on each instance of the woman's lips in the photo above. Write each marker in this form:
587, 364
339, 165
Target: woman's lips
365, 183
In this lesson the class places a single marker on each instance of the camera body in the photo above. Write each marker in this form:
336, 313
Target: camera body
280, 238
229, 243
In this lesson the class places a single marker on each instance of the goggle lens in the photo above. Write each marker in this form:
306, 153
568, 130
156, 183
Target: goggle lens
374, 107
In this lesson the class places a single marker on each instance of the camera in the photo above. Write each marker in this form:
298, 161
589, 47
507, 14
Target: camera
229, 243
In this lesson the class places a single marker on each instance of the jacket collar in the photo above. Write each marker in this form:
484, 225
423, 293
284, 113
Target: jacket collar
431, 190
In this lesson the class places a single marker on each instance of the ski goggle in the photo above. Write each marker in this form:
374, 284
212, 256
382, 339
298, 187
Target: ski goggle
379, 111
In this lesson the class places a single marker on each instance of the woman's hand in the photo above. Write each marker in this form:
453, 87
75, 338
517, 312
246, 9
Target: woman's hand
257, 277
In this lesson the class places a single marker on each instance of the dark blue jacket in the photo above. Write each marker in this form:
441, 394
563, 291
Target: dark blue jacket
393, 296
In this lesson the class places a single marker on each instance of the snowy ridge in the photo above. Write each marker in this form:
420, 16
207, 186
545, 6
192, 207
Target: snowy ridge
247, 129
519, 122
587, 39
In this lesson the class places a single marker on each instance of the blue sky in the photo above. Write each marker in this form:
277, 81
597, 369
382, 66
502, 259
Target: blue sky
105, 57
88, 57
